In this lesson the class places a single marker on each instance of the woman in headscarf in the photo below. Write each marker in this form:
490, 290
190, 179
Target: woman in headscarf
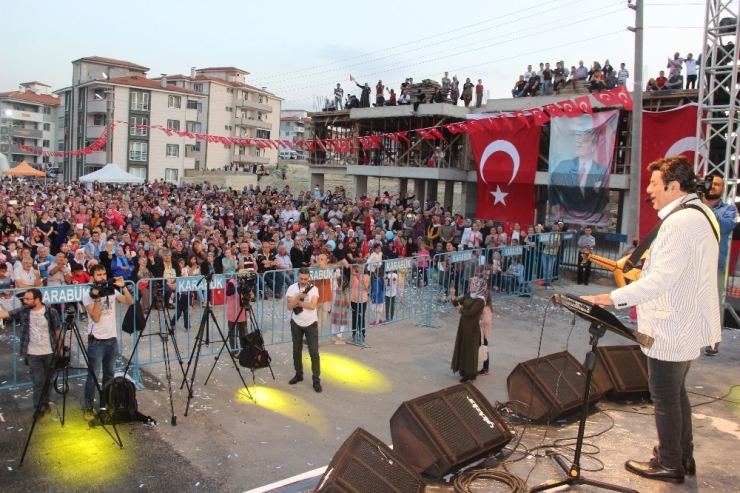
468, 339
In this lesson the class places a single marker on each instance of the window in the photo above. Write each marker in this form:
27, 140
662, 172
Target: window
230, 90
173, 150
243, 114
242, 151
170, 174
140, 131
140, 101
245, 95
197, 164
47, 126
230, 109
139, 171
45, 143
173, 124
262, 134
227, 127
193, 127
47, 110
98, 119
288, 133
259, 98
200, 107
99, 94
138, 151
198, 87
173, 102
192, 104
259, 115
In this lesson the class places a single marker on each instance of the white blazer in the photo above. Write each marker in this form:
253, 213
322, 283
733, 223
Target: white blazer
676, 295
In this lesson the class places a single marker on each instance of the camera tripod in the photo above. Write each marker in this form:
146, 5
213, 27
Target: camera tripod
203, 338
245, 308
164, 336
69, 327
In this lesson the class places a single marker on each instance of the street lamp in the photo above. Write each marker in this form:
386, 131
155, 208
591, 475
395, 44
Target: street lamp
108, 121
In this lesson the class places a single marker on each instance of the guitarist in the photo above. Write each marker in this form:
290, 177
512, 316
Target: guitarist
677, 304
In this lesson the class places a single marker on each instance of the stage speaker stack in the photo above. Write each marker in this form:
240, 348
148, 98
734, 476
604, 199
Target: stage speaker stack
364, 464
438, 433
550, 388
621, 373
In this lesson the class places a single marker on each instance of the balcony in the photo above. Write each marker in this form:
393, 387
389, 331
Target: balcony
96, 159
191, 152
26, 116
253, 105
94, 131
28, 133
299, 130
252, 122
97, 106
191, 115
14, 149
243, 158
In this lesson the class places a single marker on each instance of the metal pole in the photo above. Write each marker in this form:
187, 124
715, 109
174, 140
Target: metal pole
632, 202
108, 126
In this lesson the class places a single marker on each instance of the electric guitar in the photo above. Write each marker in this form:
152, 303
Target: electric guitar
616, 267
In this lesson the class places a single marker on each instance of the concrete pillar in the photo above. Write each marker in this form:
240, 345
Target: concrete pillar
469, 199
449, 194
432, 189
360, 183
420, 190
316, 179
403, 186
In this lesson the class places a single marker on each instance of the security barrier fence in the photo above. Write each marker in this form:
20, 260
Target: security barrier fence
354, 299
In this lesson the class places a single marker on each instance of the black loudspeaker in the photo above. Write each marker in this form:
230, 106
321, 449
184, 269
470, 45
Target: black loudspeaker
621, 373
364, 464
440, 432
550, 388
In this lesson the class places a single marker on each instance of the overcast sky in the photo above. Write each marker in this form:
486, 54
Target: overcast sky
300, 49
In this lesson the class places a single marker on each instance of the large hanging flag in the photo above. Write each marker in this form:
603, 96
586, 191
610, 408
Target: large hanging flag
664, 134
581, 150
506, 165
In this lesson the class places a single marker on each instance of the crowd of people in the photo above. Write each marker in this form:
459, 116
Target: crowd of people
548, 80
448, 90
675, 80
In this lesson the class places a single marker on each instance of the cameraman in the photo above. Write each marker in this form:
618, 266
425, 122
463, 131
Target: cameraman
102, 343
302, 299
41, 335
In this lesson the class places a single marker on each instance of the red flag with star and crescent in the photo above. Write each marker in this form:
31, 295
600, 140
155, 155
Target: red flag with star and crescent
664, 134
506, 165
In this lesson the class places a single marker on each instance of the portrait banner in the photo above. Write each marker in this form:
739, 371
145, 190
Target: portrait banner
581, 151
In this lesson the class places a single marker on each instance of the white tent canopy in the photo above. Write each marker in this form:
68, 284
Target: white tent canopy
111, 173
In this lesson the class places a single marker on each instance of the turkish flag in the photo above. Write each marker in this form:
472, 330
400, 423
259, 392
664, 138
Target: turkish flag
664, 133
553, 110
607, 98
506, 164
540, 117
570, 108
624, 97
584, 104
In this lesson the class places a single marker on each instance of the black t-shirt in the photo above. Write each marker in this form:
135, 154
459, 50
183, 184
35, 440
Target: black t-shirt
546, 74
559, 73
520, 85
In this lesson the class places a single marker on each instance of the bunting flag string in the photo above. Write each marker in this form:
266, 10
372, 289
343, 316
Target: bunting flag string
540, 115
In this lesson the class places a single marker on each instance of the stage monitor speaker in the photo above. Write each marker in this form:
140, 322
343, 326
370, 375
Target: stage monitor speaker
551, 388
364, 464
621, 372
440, 432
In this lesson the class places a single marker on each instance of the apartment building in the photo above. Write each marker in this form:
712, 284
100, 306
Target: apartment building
295, 125
233, 109
28, 116
105, 89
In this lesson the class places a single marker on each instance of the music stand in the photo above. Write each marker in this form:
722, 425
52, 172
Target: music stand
601, 320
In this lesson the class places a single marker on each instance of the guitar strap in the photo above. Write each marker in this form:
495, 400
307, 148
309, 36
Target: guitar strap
636, 256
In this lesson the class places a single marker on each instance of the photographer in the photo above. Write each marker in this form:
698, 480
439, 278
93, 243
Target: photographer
41, 336
303, 298
102, 342
235, 316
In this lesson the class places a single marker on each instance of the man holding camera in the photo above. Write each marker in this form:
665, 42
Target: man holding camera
41, 336
303, 298
102, 342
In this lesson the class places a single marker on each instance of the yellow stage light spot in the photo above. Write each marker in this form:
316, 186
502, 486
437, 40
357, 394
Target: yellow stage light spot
351, 374
76, 454
287, 405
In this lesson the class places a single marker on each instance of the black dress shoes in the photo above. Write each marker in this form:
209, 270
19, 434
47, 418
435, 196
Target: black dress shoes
317, 386
654, 469
295, 380
689, 465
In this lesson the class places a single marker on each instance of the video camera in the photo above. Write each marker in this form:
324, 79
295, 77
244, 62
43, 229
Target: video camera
102, 289
246, 283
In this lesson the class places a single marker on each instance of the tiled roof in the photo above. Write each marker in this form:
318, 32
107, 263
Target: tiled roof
222, 69
217, 80
34, 83
31, 97
112, 61
295, 119
139, 81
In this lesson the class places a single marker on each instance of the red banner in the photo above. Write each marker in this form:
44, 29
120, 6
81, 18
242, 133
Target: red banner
506, 164
665, 133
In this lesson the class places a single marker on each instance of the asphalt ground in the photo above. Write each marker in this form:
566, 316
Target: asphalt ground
230, 443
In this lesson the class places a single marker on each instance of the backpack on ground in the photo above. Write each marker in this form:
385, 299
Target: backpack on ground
119, 400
